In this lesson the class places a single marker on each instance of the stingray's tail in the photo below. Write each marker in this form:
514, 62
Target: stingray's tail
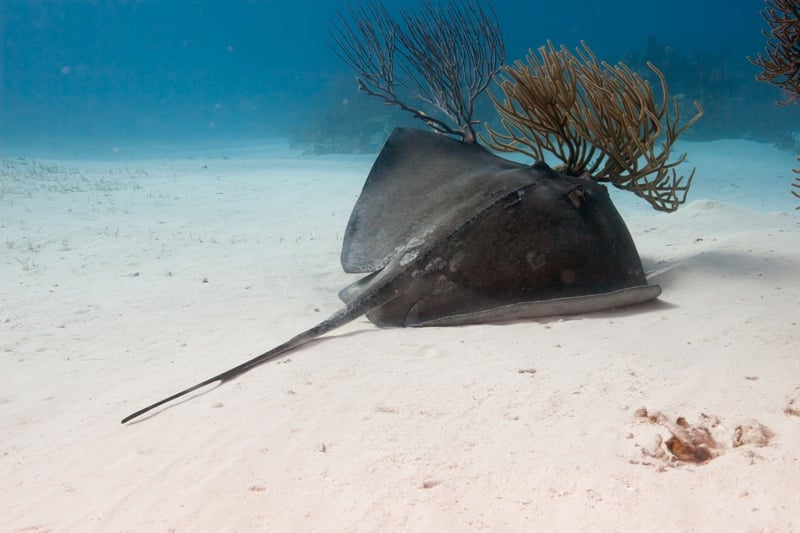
339, 318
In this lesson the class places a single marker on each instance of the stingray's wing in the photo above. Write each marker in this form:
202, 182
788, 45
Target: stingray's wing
420, 180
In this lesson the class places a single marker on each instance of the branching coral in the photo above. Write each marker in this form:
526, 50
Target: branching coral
446, 56
780, 63
602, 121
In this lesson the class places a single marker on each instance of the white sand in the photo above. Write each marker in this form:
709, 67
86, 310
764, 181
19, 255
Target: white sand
518, 427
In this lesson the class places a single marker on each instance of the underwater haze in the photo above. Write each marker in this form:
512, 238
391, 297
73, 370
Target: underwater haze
177, 70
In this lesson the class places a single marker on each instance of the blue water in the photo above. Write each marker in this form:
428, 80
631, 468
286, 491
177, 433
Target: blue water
210, 69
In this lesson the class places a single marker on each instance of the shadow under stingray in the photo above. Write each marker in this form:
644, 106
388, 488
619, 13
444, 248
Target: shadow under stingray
740, 266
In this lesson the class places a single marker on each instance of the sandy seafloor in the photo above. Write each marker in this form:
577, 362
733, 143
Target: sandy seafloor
128, 275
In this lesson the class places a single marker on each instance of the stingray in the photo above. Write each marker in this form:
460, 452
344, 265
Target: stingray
449, 234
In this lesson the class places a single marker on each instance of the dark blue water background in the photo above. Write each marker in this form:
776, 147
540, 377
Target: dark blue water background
228, 69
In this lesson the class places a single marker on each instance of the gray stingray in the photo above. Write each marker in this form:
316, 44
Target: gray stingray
450, 234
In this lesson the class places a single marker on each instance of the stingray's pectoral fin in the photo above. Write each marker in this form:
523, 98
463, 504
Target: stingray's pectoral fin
339, 318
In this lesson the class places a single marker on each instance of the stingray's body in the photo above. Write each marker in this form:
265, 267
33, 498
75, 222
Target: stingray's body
451, 234
463, 236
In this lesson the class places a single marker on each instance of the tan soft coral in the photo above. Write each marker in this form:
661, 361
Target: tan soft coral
602, 121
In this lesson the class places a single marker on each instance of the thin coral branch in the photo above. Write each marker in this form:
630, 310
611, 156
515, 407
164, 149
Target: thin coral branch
452, 52
601, 121
366, 40
796, 184
446, 54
